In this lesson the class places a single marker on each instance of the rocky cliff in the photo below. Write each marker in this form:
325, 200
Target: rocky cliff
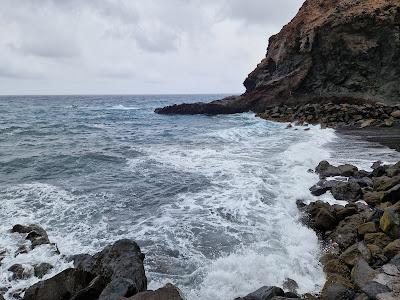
343, 50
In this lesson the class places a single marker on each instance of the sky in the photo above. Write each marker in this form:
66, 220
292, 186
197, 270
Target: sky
134, 46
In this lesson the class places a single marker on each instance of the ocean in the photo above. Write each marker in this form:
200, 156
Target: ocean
211, 200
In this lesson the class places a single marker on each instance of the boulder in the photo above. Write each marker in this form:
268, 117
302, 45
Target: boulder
115, 272
390, 222
347, 170
325, 169
35, 233
351, 255
290, 285
334, 291
345, 234
396, 114
168, 292
264, 293
324, 220
337, 266
379, 239
393, 170
60, 287
392, 249
348, 210
373, 288
349, 191
385, 183
122, 264
369, 227
322, 187
42, 269
362, 273
19, 272
373, 198
392, 195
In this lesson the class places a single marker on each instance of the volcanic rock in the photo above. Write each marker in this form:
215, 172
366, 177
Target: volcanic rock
342, 49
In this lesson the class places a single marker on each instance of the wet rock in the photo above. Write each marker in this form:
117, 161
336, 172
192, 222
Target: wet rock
337, 266
351, 255
392, 195
393, 170
19, 272
372, 289
349, 191
385, 183
325, 169
376, 215
347, 211
334, 291
347, 170
377, 254
60, 287
396, 114
168, 292
376, 164
322, 187
369, 227
390, 222
379, 239
392, 249
345, 234
373, 198
121, 263
264, 293
391, 269
324, 220
35, 233
362, 273
21, 250
290, 285
42, 269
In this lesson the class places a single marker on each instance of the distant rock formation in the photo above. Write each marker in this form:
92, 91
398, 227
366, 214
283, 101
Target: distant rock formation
337, 49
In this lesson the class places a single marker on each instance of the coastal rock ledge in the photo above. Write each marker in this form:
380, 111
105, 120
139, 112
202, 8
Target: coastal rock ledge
341, 49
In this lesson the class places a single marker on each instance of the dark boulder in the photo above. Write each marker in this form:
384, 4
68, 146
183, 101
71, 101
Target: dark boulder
168, 292
121, 264
373, 288
35, 233
42, 269
63, 286
264, 293
325, 169
322, 187
349, 191
19, 272
347, 170
392, 195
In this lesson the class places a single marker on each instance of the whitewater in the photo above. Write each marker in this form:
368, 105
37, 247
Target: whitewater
210, 200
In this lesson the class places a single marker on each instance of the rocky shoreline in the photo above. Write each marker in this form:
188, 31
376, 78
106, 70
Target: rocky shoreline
362, 238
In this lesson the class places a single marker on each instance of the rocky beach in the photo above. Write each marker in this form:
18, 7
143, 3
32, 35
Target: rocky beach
335, 66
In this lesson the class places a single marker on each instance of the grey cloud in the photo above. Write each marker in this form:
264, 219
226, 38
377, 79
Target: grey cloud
259, 11
142, 46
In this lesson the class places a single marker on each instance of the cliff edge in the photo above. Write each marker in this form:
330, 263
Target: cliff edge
337, 50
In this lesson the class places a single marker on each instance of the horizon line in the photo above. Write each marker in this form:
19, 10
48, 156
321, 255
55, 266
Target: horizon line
128, 94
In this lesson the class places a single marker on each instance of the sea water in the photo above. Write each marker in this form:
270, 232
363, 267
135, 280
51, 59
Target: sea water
211, 200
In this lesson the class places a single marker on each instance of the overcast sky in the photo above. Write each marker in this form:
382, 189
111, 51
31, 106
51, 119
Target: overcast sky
134, 46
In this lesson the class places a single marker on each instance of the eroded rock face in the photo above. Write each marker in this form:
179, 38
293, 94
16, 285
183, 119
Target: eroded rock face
332, 49
341, 50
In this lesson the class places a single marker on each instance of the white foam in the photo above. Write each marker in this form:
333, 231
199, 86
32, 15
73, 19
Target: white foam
254, 185
122, 107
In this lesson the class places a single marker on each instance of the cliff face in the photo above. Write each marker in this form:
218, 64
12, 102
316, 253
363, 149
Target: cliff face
332, 49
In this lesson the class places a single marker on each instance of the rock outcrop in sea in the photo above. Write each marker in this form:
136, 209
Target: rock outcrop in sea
347, 50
